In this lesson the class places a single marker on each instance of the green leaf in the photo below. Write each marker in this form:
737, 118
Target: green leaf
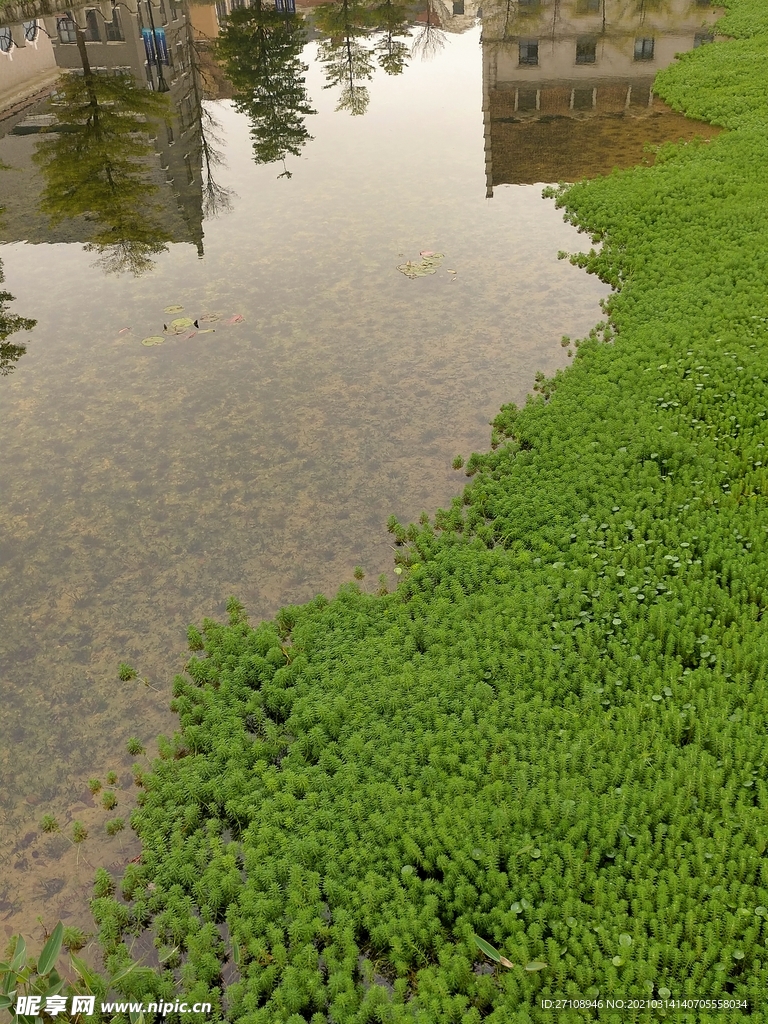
487, 948
536, 965
51, 950
625, 940
235, 952
20, 955
6, 1001
91, 979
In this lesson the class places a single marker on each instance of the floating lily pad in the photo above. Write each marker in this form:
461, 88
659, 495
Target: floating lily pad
154, 340
429, 264
209, 318
179, 326
173, 309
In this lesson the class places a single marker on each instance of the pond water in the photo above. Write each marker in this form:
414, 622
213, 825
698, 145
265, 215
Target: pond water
282, 199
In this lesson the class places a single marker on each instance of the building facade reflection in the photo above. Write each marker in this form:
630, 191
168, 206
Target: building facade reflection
568, 86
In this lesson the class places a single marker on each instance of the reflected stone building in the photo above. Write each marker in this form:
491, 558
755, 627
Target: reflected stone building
150, 42
568, 84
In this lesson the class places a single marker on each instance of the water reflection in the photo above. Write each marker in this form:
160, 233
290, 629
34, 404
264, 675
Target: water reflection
568, 86
10, 323
118, 152
259, 51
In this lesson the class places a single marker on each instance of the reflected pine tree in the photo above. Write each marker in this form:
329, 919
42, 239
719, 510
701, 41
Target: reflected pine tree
260, 50
392, 20
10, 323
348, 62
94, 165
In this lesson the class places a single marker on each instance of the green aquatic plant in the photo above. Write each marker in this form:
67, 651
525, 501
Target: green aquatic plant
126, 672
79, 832
135, 747
49, 824
109, 800
115, 826
359, 572
458, 462
111, 778
550, 736
73, 939
94, 785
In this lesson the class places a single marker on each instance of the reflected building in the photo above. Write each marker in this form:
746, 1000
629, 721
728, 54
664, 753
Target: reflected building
568, 84
122, 52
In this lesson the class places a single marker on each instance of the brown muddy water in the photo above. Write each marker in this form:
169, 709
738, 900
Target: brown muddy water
142, 485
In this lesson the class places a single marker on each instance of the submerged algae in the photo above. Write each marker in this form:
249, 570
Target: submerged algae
551, 734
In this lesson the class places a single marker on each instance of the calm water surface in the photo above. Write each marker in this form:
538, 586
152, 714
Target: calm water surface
143, 485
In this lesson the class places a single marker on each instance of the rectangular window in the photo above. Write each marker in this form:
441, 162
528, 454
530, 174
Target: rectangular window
526, 99
169, 131
114, 29
67, 29
163, 13
91, 32
190, 172
529, 52
174, 11
458, 6
588, 7
582, 99
643, 49
586, 50
221, 11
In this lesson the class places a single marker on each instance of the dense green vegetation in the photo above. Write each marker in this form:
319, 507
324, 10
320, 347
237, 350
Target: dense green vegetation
552, 735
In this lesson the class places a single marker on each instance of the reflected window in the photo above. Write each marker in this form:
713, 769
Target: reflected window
643, 49
91, 31
169, 133
701, 38
174, 12
526, 99
586, 50
6, 42
582, 99
458, 6
528, 6
237, 4
163, 13
180, 55
31, 31
529, 52
221, 10
588, 7
190, 172
114, 29
67, 29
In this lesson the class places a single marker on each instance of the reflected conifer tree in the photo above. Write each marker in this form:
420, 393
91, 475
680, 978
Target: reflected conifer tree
392, 20
260, 49
348, 62
10, 323
94, 164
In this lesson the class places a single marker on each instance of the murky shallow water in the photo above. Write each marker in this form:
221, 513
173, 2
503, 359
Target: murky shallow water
142, 486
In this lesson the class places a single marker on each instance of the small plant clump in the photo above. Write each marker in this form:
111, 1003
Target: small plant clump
126, 672
49, 824
458, 462
115, 826
111, 778
359, 572
109, 800
94, 785
135, 747
537, 770
73, 939
79, 832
